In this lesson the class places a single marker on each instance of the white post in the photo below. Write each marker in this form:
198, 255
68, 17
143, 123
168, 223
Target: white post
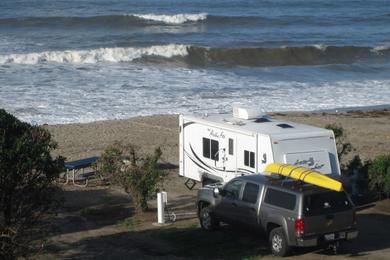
160, 208
165, 196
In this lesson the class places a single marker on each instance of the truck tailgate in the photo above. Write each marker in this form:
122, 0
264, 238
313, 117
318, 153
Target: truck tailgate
327, 212
328, 223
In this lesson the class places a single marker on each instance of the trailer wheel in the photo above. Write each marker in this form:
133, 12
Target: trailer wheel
207, 219
278, 242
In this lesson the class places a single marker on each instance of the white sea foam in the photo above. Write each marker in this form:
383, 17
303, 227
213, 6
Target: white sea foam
71, 94
321, 47
173, 19
96, 55
380, 49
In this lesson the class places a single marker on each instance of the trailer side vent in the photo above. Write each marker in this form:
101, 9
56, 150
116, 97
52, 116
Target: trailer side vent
285, 126
262, 120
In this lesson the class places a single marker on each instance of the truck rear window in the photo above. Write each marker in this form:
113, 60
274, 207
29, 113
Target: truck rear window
325, 203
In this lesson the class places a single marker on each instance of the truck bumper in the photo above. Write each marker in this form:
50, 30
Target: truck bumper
327, 238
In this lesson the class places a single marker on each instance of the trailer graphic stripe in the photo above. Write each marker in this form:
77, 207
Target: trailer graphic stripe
245, 171
187, 124
197, 157
239, 170
200, 166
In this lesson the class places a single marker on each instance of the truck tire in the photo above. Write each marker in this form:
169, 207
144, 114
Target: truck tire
207, 219
278, 242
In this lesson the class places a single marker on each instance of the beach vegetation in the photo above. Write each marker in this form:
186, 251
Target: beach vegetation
138, 175
129, 223
356, 179
343, 146
27, 190
379, 174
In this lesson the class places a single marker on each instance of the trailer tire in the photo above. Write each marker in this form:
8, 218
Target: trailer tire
278, 242
207, 219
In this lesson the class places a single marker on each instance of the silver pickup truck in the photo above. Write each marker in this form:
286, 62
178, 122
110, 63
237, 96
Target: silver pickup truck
292, 213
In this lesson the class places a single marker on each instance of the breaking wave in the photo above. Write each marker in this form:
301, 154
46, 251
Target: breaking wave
203, 56
172, 19
138, 19
117, 20
96, 55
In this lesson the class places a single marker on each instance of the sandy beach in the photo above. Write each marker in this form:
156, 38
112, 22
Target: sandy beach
368, 131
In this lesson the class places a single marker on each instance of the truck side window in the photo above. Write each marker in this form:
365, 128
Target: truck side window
249, 159
231, 149
251, 192
280, 199
210, 149
232, 189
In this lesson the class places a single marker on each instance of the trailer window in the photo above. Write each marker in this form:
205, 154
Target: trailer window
210, 149
206, 147
231, 146
249, 159
214, 150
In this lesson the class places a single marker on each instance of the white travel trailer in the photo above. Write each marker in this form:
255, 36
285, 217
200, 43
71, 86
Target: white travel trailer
219, 147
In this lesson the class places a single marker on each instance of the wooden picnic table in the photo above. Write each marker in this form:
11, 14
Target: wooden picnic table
73, 167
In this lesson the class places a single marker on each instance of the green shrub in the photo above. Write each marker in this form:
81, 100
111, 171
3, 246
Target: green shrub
139, 177
379, 174
27, 192
357, 167
343, 147
356, 173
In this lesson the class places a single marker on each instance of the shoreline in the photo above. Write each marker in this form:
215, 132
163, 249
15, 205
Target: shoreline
358, 108
330, 110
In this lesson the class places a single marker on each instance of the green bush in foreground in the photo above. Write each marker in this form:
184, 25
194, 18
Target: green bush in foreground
140, 178
379, 174
27, 192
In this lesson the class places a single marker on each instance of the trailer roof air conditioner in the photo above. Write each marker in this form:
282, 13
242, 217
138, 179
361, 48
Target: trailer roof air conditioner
247, 113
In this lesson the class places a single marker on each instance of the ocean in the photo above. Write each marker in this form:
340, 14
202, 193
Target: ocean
68, 61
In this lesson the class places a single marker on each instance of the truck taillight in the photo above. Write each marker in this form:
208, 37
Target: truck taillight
299, 227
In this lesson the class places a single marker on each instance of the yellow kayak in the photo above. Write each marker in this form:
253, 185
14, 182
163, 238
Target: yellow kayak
304, 174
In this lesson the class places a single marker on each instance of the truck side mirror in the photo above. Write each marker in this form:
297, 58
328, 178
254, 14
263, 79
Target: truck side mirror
216, 192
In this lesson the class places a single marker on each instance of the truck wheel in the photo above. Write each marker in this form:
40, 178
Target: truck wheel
278, 242
207, 219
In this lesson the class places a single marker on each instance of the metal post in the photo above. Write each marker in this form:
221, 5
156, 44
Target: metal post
160, 208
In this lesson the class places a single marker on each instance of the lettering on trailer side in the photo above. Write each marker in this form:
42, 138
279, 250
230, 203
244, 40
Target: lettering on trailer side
216, 134
311, 163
